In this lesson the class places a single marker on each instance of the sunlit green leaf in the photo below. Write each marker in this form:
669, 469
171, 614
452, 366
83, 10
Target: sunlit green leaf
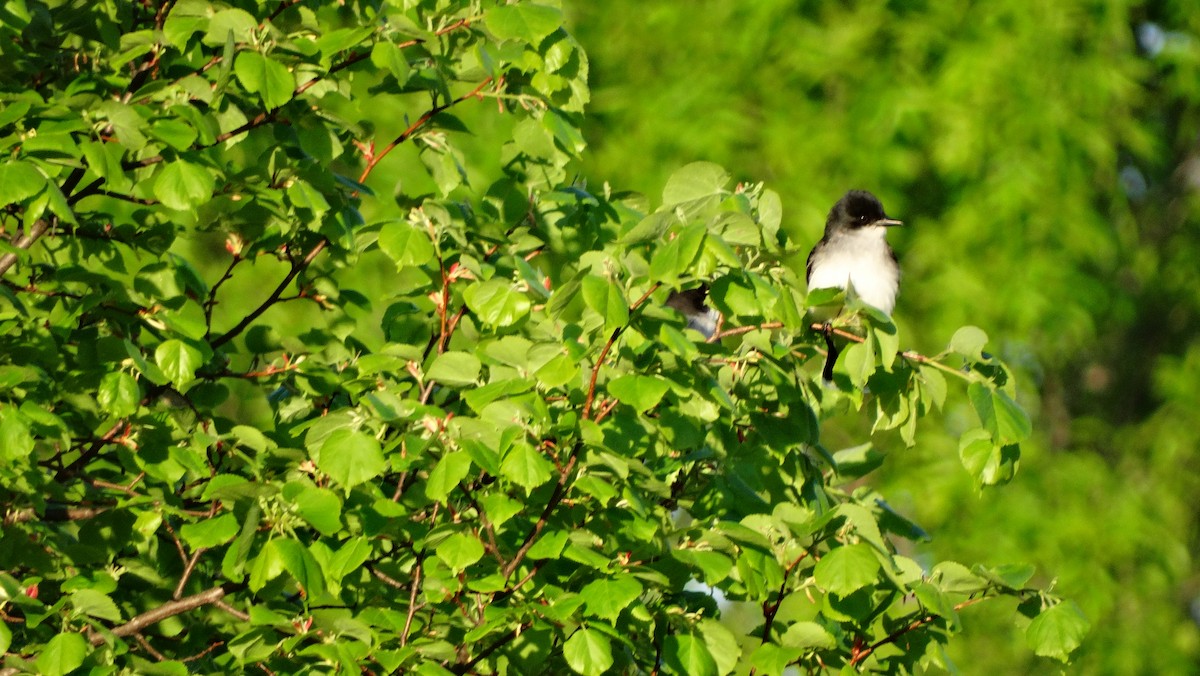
182, 185
527, 21
178, 360
62, 654
351, 457
460, 550
266, 77
847, 569
1058, 631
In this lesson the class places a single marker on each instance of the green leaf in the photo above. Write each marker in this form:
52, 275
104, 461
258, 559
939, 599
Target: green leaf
16, 441
178, 361
351, 457
808, 635
391, 58
605, 298
303, 195
95, 603
1010, 576
266, 77
936, 602
588, 652
695, 181
348, 558
557, 372
969, 342
321, 508
19, 181
1058, 631
450, 470
105, 159
495, 302
770, 216
991, 464
459, 551
847, 569
405, 244
126, 123
183, 186
455, 368
526, 21
721, 644
210, 532
526, 467
641, 392
62, 654
176, 134
301, 564
933, 385
677, 256
607, 598
999, 414
239, 22
119, 394
688, 654
770, 659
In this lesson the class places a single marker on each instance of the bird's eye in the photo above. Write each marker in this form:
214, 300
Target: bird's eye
862, 218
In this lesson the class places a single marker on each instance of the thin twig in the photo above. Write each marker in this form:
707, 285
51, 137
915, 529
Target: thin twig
857, 658
502, 640
187, 573
591, 394
412, 602
560, 489
232, 611
149, 648
737, 331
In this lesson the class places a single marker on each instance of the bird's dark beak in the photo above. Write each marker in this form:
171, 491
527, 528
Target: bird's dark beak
888, 222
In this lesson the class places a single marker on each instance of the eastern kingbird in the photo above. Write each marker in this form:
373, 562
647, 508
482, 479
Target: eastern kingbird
854, 253
690, 303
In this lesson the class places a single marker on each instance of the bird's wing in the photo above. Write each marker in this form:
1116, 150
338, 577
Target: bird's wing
809, 264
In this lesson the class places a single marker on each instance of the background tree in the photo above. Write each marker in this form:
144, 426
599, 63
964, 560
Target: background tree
316, 358
1045, 159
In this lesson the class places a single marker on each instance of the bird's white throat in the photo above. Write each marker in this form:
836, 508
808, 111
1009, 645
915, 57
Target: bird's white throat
861, 258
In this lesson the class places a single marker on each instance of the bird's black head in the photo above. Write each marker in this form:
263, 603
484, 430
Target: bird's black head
858, 209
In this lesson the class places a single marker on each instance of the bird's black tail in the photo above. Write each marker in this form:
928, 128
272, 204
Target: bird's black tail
830, 358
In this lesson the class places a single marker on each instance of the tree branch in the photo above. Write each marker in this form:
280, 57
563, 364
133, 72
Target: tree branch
39, 228
560, 489
857, 658
297, 267
169, 609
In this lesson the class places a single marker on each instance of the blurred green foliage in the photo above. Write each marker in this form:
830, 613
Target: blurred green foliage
1046, 158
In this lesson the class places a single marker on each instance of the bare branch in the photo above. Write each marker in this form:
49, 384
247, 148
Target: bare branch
169, 609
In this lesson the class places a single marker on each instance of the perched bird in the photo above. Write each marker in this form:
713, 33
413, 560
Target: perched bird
854, 253
691, 303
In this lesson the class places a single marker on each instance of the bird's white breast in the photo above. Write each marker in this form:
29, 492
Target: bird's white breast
860, 258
